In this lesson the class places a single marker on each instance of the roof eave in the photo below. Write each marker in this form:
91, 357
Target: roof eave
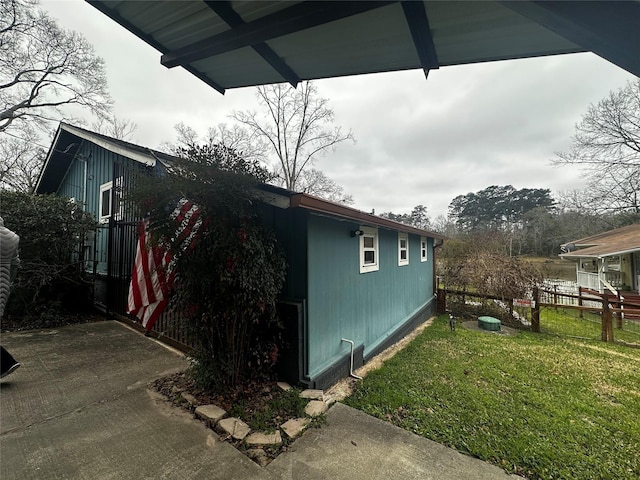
576, 254
319, 205
148, 160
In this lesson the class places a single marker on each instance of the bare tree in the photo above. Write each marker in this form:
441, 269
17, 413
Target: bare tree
607, 145
234, 137
315, 182
112, 126
445, 225
45, 68
22, 160
297, 125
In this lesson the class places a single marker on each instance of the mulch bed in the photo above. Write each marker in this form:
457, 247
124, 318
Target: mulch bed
252, 395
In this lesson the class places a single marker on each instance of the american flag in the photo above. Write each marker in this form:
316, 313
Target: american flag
154, 268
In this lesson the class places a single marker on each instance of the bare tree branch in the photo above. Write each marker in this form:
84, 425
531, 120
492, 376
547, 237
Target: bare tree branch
606, 145
297, 124
21, 162
44, 68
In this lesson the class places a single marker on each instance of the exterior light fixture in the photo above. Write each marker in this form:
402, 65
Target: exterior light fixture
357, 233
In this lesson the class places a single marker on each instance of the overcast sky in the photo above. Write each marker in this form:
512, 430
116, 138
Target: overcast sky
417, 141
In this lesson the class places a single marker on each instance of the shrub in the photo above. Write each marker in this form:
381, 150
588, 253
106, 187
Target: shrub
51, 275
228, 281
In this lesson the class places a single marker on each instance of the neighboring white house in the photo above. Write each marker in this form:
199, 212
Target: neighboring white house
610, 257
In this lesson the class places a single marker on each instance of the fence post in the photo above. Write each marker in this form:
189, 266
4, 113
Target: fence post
555, 296
580, 301
607, 321
619, 315
535, 311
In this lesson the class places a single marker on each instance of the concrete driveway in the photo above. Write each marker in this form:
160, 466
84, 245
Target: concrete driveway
80, 408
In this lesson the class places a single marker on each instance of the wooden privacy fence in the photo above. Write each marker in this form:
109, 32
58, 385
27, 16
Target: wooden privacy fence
614, 312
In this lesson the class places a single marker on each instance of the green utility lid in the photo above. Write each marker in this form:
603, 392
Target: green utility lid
489, 323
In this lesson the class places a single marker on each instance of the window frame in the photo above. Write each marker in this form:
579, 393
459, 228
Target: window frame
368, 232
424, 250
114, 198
402, 262
105, 187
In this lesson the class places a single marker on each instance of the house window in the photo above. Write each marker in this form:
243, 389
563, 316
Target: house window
423, 249
369, 250
612, 264
110, 201
403, 249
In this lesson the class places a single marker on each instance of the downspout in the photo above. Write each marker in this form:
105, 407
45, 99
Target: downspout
436, 244
351, 363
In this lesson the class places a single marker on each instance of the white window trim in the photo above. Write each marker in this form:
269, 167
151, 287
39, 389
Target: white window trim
112, 198
369, 267
104, 188
424, 252
403, 261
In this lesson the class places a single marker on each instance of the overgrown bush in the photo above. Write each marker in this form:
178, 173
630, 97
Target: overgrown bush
228, 280
51, 276
482, 264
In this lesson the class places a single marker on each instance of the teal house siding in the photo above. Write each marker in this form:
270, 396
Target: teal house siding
364, 307
84, 187
78, 163
94, 166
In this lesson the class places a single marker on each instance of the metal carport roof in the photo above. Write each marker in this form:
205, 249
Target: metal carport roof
231, 44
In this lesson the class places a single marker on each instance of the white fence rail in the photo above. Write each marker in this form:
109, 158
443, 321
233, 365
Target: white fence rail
567, 287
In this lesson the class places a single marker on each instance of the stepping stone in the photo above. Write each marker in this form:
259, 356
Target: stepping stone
234, 427
315, 408
294, 427
210, 413
312, 394
259, 439
284, 386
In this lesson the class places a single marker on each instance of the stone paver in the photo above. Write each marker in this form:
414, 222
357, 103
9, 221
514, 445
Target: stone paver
294, 427
234, 427
259, 439
312, 394
210, 413
315, 408
284, 386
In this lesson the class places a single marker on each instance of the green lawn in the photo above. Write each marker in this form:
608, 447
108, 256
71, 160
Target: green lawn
538, 405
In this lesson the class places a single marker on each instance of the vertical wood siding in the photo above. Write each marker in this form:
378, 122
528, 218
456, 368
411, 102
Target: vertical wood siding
365, 308
99, 170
